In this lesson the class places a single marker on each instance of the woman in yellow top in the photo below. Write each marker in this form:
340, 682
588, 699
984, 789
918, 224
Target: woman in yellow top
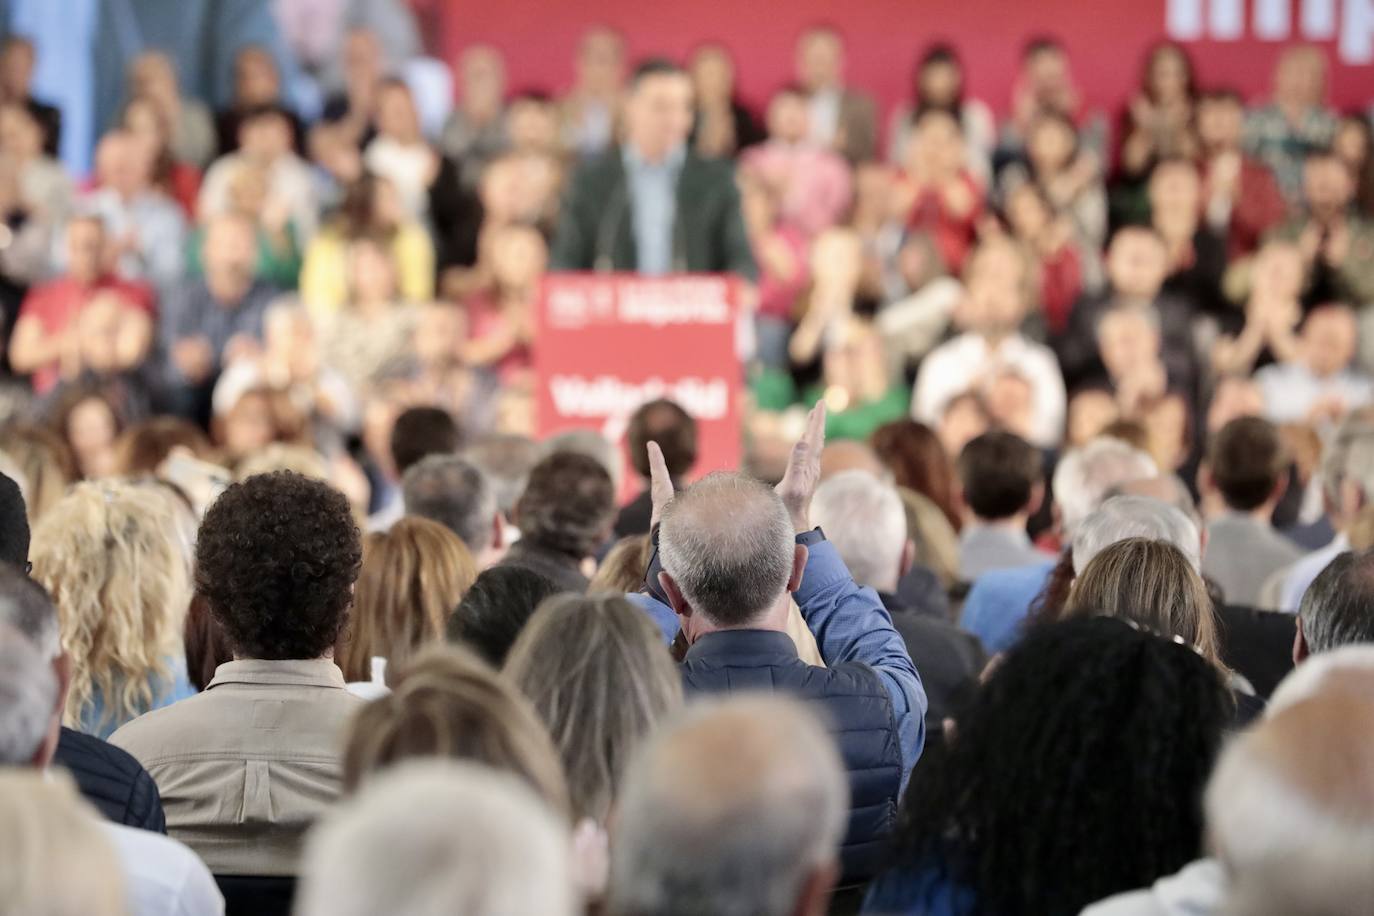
370, 208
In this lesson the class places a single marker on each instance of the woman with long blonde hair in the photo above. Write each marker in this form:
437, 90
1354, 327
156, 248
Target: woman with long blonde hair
412, 578
108, 554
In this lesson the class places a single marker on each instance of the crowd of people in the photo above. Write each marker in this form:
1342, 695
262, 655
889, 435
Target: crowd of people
1045, 586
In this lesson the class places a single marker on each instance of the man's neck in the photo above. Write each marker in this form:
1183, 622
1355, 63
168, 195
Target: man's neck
653, 156
1013, 524
774, 620
1262, 515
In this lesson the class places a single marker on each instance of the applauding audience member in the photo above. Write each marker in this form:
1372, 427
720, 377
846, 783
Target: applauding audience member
734, 554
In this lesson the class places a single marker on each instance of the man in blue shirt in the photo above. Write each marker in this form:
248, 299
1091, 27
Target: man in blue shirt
652, 206
213, 320
733, 555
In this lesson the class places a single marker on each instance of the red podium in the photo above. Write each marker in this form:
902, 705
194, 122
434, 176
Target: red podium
607, 343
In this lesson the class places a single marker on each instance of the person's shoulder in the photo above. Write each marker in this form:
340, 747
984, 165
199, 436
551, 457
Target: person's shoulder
152, 728
155, 860
1012, 578
78, 750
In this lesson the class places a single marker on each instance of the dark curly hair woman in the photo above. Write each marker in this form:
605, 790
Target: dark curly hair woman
276, 561
1077, 773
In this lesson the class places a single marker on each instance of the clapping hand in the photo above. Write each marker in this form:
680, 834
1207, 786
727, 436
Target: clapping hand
797, 487
803, 473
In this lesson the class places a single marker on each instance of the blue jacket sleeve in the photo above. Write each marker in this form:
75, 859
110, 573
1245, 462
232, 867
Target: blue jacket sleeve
851, 625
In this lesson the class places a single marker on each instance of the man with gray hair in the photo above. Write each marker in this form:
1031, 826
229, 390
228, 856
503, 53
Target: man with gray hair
1338, 609
735, 810
865, 520
453, 492
1122, 517
1347, 487
160, 875
731, 551
1000, 601
439, 837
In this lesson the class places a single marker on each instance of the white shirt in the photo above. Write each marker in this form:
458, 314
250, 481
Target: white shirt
824, 120
1291, 389
966, 362
163, 877
1302, 573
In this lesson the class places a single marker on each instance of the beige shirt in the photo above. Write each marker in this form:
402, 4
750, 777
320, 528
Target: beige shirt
245, 767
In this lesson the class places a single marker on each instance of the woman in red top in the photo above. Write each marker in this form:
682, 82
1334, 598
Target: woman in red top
501, 316
937, 193
1048, 239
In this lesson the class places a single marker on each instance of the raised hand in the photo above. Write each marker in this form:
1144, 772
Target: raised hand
803, 474
660, 483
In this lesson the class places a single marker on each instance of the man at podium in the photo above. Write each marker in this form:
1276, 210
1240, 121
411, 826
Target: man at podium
650, 205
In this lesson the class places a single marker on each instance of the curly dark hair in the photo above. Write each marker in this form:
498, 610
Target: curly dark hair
1078, 772
276, 559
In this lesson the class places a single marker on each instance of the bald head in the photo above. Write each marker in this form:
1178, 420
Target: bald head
735, 810
849, 455
1290, 807
726, 542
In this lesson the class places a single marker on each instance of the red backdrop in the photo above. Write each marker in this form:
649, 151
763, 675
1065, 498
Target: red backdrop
1106, 38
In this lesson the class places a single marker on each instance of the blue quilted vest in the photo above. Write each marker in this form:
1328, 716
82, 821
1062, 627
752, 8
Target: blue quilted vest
855, 707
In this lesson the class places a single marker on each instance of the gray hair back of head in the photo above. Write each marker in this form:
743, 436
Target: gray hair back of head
865, 520
28, 697
1349, 458
727, 542
1122, 517
728, 811
1338, 607
453, 492
591, 443
1085, 475
436, 837
506, 461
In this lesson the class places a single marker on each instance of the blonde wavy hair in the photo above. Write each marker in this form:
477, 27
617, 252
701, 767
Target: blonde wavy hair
412, 578
107, 554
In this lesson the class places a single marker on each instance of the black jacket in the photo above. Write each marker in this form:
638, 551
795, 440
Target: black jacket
595, 230
948, 658
111, 780
852, 701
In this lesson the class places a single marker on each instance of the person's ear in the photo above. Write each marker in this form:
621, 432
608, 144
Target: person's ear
1280, 488
676, 601
1037, 497
816, 889
799, 555
1301, 650
498, 532
1205, 482
908, 558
